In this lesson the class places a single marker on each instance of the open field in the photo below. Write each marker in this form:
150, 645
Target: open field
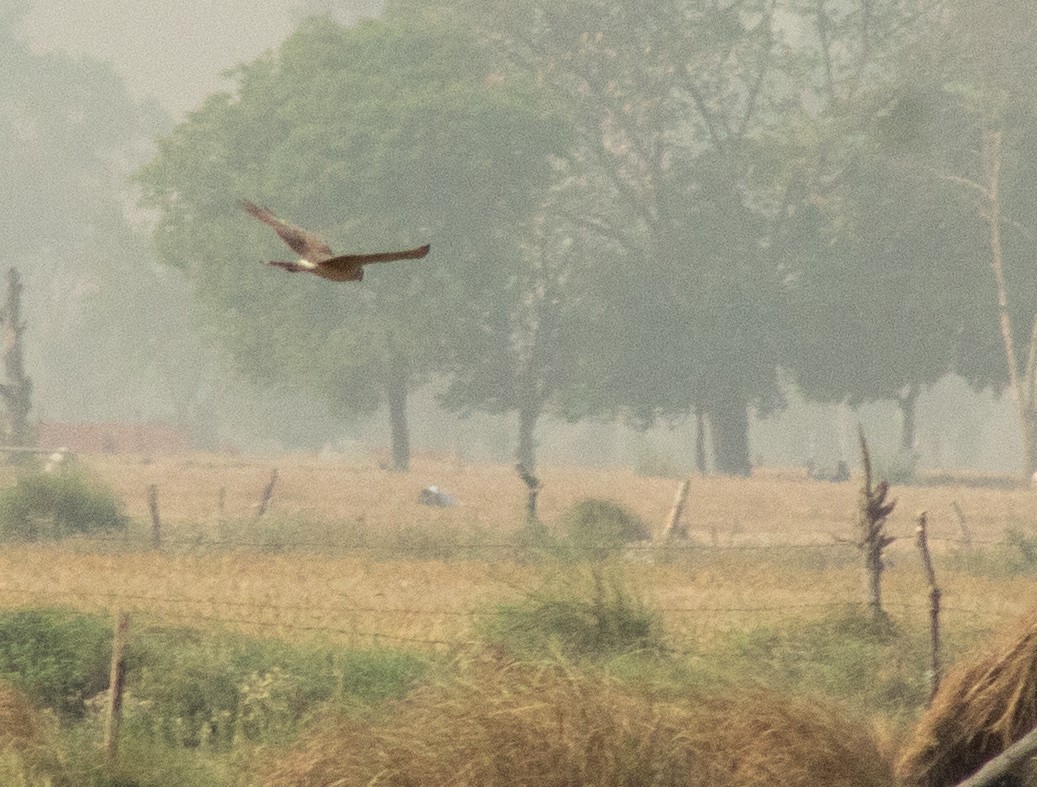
284, 650
346, 551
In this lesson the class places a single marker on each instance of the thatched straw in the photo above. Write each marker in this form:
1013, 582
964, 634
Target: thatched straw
981, 708
553, 726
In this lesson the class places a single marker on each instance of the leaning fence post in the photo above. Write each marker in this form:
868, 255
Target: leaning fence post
966, 535
116, 680
934, 604
673, 521
156, 523
268, 492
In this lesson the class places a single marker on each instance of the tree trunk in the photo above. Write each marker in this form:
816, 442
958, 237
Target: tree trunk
525, 452
907, 402
729, 427
396, 398
1023, 384
700, 441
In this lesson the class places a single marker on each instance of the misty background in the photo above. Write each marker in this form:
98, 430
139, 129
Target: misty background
89, 86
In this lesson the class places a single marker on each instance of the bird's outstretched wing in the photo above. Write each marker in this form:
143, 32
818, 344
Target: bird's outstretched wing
304, 243
357, 260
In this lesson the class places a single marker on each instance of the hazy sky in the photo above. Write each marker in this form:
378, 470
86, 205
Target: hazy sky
174, 50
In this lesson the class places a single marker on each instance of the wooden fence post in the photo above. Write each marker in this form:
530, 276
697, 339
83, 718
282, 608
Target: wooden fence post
533, 487
673, 527
934, 605
966, 534
116, 680
156, 523
268, 493
871, 520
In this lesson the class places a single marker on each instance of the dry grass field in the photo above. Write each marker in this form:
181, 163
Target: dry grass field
751, 666
761, 549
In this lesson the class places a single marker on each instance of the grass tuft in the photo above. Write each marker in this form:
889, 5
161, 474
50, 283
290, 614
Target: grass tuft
511, 724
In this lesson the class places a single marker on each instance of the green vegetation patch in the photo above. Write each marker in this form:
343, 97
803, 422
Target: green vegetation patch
593, 618
57, 657
874, 665
57, 505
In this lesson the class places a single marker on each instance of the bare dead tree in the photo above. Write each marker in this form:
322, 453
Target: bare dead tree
872, 540
16, 390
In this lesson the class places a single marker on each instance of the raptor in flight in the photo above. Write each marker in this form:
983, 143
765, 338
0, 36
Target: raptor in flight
315, 256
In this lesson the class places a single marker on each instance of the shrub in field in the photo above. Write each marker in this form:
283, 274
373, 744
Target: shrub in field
46, 505
555, 725
602, 620
57, 658
599, 527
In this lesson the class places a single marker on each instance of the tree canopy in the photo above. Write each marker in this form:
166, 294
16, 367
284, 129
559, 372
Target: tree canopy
392, 132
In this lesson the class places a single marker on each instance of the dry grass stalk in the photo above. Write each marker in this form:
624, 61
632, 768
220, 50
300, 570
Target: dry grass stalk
20, 725
548, 725
981, 708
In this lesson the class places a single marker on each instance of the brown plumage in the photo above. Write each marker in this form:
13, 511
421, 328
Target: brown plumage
317, 257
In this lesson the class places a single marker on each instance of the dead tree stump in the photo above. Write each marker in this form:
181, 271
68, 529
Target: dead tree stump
872, 511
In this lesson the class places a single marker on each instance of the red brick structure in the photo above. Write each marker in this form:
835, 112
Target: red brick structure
113, 438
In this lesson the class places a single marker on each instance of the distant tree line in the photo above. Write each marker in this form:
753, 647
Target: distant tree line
636, 211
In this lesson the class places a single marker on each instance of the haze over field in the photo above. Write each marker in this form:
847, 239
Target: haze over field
879, 307
174, 52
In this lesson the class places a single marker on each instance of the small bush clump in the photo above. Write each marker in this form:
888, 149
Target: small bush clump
56, 505
605, 621
599, 527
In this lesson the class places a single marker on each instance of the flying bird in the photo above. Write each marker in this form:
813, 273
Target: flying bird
315, 256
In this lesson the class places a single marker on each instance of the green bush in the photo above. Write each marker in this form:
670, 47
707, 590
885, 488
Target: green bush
187, 689
604, 622
45, 505
58, 658
600, 527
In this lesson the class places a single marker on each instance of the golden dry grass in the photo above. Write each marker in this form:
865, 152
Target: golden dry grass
503, 724
772, 507
354, 595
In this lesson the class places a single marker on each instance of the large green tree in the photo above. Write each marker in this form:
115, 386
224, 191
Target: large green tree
975, 65
881, 253
671, 104
396, 131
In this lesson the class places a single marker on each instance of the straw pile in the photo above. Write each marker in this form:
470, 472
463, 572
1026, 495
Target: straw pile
982, 707
555, 726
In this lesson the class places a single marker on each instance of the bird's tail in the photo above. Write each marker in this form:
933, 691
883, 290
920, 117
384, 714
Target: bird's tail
291, 267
